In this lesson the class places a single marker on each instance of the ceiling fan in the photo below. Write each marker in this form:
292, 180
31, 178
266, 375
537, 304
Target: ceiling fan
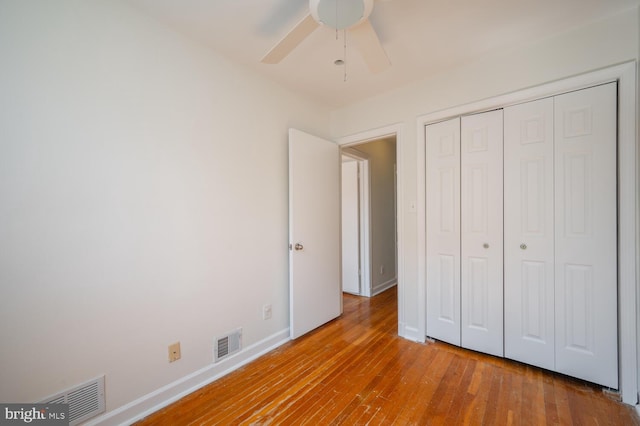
349, 15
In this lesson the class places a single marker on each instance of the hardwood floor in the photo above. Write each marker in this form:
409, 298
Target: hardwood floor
356, 370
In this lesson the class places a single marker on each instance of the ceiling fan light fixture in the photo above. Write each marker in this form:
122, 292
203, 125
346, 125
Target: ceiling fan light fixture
340, 14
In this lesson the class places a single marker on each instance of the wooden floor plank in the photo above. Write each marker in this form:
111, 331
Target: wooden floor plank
355, 370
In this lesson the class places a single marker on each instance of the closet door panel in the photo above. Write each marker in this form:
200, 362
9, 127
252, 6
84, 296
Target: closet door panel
585, 235
528, 233
443, 230
482, 232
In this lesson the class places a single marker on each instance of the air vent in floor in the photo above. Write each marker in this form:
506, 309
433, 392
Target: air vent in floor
228, 345
85, 401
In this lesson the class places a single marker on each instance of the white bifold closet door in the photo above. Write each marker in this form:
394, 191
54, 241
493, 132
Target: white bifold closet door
464, 232
481, 166
529, 234
560, 234
585, 230
443, 230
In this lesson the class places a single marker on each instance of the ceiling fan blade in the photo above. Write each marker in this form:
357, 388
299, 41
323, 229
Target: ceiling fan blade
291, 40
281, 15
367, 42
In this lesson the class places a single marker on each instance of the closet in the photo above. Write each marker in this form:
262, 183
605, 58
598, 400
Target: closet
521, 233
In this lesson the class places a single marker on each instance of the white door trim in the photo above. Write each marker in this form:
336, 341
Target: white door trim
628, 240
417, 332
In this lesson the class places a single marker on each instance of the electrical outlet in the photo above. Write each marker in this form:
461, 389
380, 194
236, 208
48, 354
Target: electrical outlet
174, 352
266, 312
381, 269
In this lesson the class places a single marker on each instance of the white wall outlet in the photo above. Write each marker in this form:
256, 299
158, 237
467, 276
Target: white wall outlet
266, 312
174, 352
381, 269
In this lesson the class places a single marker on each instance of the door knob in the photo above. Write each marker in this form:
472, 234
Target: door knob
298, 247
485, 245
523, 246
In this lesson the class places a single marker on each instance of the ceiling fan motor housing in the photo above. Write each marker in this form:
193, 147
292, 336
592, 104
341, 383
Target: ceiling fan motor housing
340, 14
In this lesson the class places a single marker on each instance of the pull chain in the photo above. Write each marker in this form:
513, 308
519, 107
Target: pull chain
344, 35
345, 55
336, 21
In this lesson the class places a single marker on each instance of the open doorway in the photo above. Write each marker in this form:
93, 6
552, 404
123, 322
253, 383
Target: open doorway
369, 222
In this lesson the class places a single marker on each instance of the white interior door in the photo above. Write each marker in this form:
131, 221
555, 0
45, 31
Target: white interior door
585, 234
314, 232
529, 234
481, 232
350, 226
443, 230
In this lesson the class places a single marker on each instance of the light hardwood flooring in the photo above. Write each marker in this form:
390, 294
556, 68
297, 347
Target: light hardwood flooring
355, 370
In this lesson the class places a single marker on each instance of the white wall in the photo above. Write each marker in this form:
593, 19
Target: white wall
382, 159
143, 199
603, 43
134, 194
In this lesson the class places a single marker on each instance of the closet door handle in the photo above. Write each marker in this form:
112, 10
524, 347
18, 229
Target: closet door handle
523, 246
485, 245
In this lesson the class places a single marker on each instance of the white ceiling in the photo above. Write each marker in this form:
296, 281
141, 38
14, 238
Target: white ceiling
421, 37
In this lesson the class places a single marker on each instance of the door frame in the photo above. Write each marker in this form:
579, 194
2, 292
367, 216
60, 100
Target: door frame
397, 130
364, 218
628, 211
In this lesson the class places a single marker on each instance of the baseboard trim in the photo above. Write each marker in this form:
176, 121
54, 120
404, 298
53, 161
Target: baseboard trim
410, 333
384, 286
160, 398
